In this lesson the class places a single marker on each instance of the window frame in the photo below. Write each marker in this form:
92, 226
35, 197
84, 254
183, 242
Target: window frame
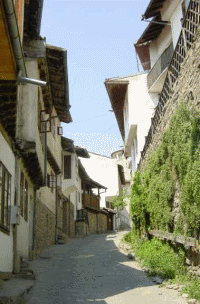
67, 166
5, 198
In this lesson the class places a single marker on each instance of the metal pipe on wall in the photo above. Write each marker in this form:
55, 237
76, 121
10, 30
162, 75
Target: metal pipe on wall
14, 35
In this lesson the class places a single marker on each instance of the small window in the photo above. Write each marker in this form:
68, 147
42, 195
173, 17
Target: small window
67, 167
5, 193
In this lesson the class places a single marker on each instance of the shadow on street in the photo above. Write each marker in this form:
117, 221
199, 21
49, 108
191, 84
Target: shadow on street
86, 270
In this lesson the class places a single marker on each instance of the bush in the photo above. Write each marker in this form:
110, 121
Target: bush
174, 163
160, 258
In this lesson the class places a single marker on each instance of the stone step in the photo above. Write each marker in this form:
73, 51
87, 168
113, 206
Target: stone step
5, 275
15, 291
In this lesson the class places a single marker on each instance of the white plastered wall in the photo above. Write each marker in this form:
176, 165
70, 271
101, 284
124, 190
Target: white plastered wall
103, 170
172, 11
47, 195
6, 241
71, 186
141, 107
24, 229
158, 46
54, 140
176, 24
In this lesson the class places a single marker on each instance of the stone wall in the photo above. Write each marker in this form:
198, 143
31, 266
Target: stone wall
92, 218
45, 226
102, 222
60, 216
81, 228
70, 220
186, 88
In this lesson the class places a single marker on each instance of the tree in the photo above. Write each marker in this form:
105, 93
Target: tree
119, 200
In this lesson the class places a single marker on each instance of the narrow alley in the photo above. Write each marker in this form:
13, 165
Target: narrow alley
92, 269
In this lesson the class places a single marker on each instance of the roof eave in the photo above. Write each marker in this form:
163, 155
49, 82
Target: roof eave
60, 57
153, 9
116, 90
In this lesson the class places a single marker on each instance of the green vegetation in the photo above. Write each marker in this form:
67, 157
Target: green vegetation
119, 201
166, 196
175, 163
161, 259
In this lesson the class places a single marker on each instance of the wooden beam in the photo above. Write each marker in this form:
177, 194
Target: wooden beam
34, 48
186, 241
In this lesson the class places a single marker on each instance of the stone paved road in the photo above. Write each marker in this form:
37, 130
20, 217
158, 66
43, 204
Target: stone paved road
92, 269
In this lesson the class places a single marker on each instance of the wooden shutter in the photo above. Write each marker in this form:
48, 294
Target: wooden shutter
67, 166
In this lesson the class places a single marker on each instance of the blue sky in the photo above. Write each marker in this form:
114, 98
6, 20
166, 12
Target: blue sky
99, 37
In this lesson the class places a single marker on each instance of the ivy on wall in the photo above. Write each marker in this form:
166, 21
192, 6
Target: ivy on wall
175, 161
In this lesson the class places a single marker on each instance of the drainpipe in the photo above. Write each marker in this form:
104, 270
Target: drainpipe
25, 80
14, 35
45, 154
56, 211
16, 262
16, 43
34, 242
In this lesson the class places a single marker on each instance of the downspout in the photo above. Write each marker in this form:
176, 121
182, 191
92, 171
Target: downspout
16, 44
34, 243
56, 211
14, 35
24, 80
16, 263
45, 154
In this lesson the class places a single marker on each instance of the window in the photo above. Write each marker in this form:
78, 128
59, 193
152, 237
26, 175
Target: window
5, 190
67, 166
24, 196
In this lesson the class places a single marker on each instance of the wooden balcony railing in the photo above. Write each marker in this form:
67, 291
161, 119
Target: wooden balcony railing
185, 41
91, 200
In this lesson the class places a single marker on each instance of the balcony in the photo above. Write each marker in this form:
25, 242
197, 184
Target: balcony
157, 74
91, 200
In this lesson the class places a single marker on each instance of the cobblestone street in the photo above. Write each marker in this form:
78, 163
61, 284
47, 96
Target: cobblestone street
92, 269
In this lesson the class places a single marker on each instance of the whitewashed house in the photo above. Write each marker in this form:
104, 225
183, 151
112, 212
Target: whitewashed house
104, 170
134, 98
71, 180
156, 44
114, 174
82, 202
133, 107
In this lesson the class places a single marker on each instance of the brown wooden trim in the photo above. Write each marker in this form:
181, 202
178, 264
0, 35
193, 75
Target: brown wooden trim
181, 239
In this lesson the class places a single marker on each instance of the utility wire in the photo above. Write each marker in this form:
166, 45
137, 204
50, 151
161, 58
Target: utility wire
90, 118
